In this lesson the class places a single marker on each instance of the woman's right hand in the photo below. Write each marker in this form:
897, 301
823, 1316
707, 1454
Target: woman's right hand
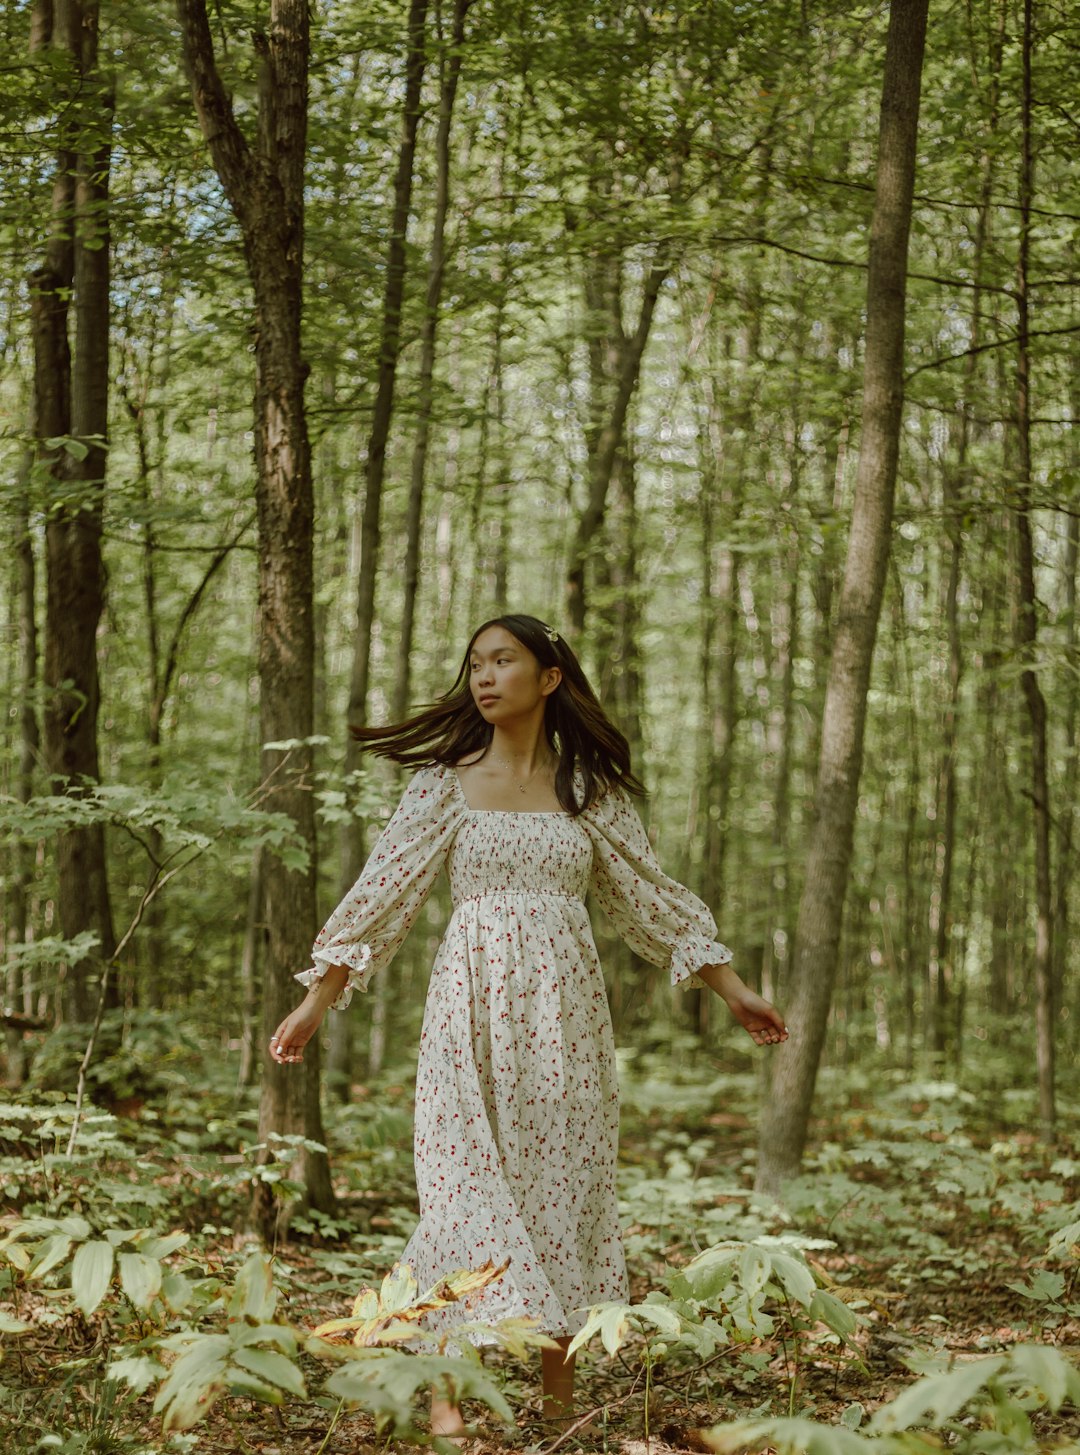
292, 1035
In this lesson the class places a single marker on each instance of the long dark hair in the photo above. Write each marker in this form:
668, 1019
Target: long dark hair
588, 744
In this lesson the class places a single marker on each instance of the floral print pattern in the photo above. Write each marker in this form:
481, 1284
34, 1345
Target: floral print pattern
516, 1099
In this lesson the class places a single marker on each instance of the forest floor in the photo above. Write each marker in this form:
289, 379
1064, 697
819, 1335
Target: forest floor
925, 1212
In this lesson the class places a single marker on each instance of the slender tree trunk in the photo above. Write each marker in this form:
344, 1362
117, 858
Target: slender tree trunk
450, 72
352, 835
787, 1112
264, 183
1027, 623
389, 350
1067, 811
612, 385
71, 401
135, 392
956, 485
29, 749
254, 937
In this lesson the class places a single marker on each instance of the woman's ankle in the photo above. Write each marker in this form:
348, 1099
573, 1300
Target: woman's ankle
446, 1418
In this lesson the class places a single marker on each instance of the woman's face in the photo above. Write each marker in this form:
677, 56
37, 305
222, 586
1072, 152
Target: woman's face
506, 680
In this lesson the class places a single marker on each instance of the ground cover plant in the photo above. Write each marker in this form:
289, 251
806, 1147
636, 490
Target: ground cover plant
918, 1287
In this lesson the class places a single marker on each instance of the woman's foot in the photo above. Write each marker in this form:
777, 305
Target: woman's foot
446, 1420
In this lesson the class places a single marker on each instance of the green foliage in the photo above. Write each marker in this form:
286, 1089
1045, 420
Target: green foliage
188, 817
730, 1294
1001, 1392
142, 1054
127, 1259
255, 1356
389, 1384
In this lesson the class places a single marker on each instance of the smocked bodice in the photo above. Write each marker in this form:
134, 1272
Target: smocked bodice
532, 854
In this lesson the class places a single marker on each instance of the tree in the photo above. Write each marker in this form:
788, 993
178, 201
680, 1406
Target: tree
784, 1123
1027, 621
264, 183
71, 403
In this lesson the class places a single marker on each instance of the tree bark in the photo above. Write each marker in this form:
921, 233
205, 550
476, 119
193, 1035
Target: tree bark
375, 469
1027, 622
264, 183
615, 368
787, 1112
351, 846
17, 986
451, 70
71, 377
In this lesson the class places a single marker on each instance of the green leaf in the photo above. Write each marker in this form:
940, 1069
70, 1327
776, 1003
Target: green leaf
388, 1383
138, 1372
91, 1270
833, 1313
788, 1437
660, 1315
155, 1246
852, 1416
245, 1335
140, 1278
754, 1268
49, 1254
116, 1236
194, 1384
254, 1296
1047, 1372
11, 1325
614, 1327
1064, 1241
795, 1277
77, 449
593, 1324
936, 1397
273, 1368
707, 1276
177, 1291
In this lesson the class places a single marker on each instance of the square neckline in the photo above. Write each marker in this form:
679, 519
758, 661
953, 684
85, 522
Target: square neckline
511, 812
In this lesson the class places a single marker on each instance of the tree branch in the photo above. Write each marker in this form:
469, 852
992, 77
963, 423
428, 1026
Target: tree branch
172, 657
228, 146
1000, 343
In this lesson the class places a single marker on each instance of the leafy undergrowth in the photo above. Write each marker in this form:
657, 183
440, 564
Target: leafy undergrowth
918, 1288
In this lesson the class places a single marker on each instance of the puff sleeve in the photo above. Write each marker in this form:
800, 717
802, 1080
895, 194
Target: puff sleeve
369, 926
659, 918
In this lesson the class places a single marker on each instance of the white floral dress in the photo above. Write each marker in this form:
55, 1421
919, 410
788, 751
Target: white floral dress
516, 1094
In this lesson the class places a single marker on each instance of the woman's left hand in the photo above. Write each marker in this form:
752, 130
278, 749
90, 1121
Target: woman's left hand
762, 1021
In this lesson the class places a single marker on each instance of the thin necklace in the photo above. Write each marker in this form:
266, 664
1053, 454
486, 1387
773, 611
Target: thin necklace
505, 763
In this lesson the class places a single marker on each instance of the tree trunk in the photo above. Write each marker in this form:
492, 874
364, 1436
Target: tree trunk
71, 401
615, 368
389, 350
1027, 622
1067, 812
265, 187
451, 70
29, 746
250, 956
787, 1112
351, 845
956, 486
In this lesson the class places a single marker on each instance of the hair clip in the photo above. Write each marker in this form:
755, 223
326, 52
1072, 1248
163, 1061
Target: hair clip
551, 634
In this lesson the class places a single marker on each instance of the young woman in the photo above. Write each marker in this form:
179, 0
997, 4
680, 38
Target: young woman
524, 792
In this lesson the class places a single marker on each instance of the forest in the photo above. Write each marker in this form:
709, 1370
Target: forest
740, 343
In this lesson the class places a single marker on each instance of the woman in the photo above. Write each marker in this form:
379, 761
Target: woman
524, 792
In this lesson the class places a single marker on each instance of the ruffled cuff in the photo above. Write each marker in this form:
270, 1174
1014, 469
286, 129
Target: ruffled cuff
356, 958
689, 954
